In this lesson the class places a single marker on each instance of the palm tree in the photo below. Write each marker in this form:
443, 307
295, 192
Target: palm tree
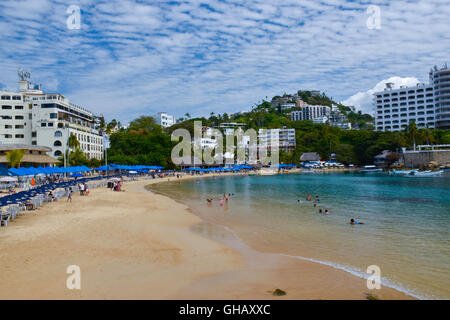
15, 157
73, 141
412, 132
187, 114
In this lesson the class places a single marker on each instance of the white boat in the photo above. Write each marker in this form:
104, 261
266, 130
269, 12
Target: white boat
427, 173
371, 169
403, 172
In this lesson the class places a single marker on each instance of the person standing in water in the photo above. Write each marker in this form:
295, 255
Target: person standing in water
308, 197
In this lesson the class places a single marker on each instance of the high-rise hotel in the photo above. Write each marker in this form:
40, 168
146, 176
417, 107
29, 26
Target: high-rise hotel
32, 117
428, 105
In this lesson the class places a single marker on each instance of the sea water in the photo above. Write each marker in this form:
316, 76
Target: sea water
405, 231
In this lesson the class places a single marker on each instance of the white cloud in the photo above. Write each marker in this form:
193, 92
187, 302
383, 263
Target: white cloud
363, 100
135, 57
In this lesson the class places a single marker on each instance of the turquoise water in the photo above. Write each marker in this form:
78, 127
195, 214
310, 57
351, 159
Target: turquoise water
406, 230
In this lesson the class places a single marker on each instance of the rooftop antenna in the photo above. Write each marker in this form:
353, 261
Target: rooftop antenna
24, 75
389, 85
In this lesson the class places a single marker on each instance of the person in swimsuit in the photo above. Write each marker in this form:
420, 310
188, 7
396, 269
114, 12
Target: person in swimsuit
353, 222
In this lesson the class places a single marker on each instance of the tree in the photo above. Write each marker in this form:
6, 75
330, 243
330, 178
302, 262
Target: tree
73, 141
144, 124
111, 126
446, 139
411, 131
14, 157
187, 115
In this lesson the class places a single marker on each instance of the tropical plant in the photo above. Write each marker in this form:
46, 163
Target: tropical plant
14, 157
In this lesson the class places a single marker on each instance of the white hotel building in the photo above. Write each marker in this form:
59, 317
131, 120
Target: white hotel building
35, 118
164, 119
428, 105
310, 112
268, 139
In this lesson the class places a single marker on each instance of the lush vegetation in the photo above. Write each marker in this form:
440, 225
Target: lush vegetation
145, 142
14, 157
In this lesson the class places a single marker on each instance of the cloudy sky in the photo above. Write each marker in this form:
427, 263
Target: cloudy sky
138, 57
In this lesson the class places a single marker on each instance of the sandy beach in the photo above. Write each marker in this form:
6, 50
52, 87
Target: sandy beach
141, 245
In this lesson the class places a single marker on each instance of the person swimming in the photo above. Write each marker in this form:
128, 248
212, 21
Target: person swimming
315, 205
353, 222
326, 212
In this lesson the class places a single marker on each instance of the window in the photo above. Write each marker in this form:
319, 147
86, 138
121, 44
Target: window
6, 107
19, 136
57, 143
58, 134
53, 115
18, 126
50, 124
18, 117
17, 98
57, 153
18, 107
8, 126
6, 98
43, 124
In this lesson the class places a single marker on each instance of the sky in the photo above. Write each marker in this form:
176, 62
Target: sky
131, 58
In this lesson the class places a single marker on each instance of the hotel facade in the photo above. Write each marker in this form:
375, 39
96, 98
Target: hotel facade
32, 117
428, 105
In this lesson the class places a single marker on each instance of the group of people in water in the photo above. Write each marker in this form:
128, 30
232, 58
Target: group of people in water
225, 198
326, 212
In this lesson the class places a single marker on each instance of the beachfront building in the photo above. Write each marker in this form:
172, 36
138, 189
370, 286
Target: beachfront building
311, 113
164, 119
284, 138
309, 157
428, 105
440, 79
32, 117
34, 156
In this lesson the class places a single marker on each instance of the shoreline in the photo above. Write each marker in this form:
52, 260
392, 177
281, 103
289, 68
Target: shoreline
246, 250
142, 245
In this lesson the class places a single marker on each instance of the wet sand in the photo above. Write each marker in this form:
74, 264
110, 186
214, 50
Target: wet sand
141, 245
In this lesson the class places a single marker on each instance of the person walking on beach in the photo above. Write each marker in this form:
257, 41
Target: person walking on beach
69, 195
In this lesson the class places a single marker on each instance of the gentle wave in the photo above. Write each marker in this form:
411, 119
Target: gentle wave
361, 274
352, 270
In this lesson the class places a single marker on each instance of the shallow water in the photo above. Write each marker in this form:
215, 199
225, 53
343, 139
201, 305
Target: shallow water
406, 230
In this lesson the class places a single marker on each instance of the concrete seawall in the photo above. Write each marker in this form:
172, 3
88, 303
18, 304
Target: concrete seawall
422, 158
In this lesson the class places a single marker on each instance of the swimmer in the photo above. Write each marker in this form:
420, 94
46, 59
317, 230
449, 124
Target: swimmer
315, 205
308, 197
326, 212
353, 222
